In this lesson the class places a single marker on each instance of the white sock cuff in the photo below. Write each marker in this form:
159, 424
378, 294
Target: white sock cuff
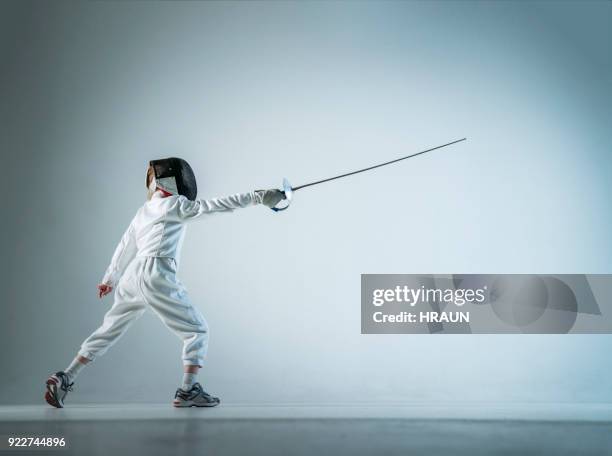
73, 370
189, 378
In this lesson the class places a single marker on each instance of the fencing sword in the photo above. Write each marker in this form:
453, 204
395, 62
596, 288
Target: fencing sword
288, 190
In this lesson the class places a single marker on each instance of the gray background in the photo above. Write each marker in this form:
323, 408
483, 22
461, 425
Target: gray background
251, 92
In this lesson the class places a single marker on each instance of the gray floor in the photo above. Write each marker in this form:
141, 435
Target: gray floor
321, 437
149, 429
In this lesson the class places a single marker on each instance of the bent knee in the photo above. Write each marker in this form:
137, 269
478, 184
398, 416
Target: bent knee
202, 328
200, 324
198, 330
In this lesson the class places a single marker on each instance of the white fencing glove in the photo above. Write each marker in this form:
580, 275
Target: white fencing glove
271, 197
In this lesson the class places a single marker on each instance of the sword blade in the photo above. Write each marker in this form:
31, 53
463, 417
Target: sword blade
376, 166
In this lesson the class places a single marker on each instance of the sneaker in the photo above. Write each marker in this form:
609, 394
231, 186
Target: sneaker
195, 397
58, 386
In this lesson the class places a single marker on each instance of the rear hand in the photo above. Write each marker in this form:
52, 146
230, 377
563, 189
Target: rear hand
103, 290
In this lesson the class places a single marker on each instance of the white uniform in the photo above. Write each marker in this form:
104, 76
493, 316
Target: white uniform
143, 272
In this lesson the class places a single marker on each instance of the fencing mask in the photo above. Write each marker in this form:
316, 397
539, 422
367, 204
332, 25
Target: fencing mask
174, 175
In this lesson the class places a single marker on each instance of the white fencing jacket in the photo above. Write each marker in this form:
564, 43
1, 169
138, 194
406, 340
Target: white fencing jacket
158, 228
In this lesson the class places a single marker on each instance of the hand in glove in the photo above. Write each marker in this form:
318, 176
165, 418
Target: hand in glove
271, 197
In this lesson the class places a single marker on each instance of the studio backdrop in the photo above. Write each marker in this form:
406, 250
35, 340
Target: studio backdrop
249, 93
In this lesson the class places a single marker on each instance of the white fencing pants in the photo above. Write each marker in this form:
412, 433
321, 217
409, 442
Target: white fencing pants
151, 282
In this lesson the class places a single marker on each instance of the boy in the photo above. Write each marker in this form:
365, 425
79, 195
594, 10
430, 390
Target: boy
143, 273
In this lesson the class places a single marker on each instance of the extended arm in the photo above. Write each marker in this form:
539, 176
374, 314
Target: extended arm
191, 209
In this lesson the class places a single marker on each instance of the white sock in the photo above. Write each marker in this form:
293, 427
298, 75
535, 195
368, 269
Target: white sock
189, 378
73, 370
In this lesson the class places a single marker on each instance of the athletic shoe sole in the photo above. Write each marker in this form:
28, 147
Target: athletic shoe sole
51, 395
187, 404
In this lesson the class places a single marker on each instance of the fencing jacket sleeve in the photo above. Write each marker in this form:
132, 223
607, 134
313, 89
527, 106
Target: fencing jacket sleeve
124, 254
190, 209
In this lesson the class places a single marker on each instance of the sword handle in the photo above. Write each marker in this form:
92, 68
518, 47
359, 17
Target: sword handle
288, 191
278, 209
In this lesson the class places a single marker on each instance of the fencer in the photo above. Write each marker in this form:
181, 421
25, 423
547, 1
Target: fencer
142, 272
